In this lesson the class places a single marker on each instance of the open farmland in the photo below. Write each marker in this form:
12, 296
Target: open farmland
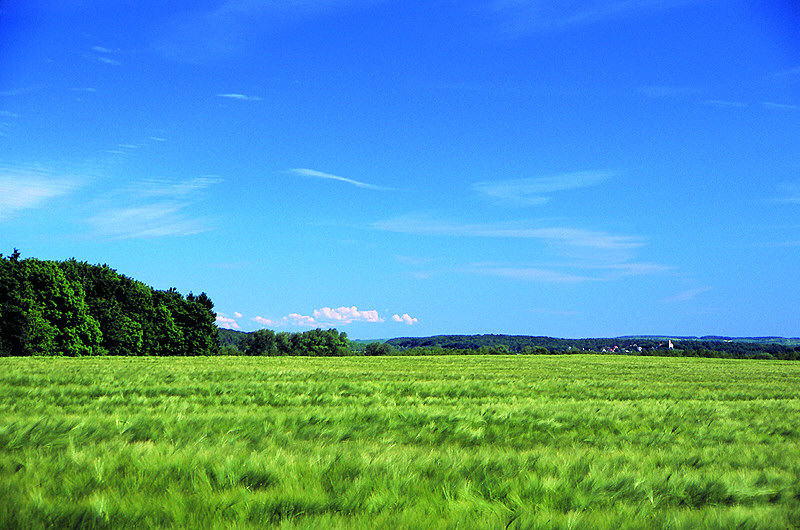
492, 442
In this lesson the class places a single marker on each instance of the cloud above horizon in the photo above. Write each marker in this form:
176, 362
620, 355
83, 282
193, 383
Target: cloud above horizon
328, 316
226, 322
576, 237
240, 97
536, 190
790, 192
23, 190
578, 255
519, 18
566, 273
405, 317
319, 174
152, 208
685, 296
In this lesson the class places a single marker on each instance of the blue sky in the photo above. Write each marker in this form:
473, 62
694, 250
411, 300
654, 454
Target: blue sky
572, 169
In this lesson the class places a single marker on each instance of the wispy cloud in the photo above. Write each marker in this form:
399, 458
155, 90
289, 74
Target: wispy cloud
170, 188
23, 190
164, 219
240, 97
668, 91
576, 272
685, 296
722, 103
19, 91
152, 208
216, 31
791, 72
780, 106
789, 192
102, 54
555, 312
536, 190
577, 237
531, 274
319, 174
520, 17
579, 255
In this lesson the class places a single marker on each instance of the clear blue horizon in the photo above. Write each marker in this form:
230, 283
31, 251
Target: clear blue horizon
580, 169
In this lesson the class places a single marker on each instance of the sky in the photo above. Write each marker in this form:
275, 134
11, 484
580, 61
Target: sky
389, 168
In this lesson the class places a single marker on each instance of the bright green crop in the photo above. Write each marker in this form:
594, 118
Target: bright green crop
399, 442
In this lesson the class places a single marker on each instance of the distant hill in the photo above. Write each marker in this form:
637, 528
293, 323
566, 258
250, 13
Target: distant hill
717, 338
232, 337
777, 347
706, 346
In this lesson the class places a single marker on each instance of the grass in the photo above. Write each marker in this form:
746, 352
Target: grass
428, 442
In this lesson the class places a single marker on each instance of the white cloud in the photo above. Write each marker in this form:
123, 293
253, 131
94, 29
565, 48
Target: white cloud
631, 268
790, 72
790, 192
555, 312
163, 219
408, 319
724, 103
237, 314
319, 174
240, 97
325, 316
227, 323
269, 322
535, 190
687, 295
297, 319
520, 17
104, 52
575, 237
668, 91
216, 31
566, 273
171, 188
532, 274
780, 106
152, 208
24, 190
292, 319
346, 315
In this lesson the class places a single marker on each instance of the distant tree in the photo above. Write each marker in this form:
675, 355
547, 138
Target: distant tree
378, 348
261, 342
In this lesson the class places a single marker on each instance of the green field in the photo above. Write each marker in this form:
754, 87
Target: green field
426, 442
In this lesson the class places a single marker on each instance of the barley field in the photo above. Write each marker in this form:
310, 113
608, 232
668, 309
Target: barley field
500, 442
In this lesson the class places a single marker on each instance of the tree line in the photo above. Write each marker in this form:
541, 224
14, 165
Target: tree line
315, 343
73, 308
655, 346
